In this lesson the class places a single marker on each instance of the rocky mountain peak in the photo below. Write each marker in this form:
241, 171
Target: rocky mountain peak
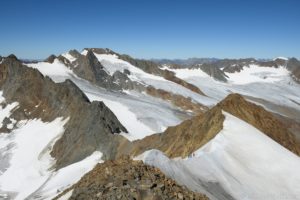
50, 59
101, 50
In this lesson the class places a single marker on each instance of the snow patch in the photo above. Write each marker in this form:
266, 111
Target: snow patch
84, 52
255, 73
27, 148
281, 58
66, 196
56, 70
5, 111
186, 73
69, 57
67, 176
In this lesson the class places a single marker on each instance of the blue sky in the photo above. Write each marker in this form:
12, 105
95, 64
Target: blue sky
153, 28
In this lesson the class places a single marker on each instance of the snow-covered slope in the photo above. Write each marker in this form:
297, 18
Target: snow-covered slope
142, 115
268, 83
254, 74
240, 162
26, 165
56, 70
112, 63
26, 150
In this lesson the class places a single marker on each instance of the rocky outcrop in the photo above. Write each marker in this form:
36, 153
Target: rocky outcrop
88, 67
101, 50
213, 71
294, 66
50, 59
172, 77
127, 179
122, 79
177, 100
91, 125
190, 135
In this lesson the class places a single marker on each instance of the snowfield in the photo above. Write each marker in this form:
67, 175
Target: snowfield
112, 63
56, 70
25, 158
142, 115
240, 162
268, 83
254, 74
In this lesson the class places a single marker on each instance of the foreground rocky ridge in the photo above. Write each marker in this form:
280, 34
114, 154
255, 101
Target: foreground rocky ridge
128, 179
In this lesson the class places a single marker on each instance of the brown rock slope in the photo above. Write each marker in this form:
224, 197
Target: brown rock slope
127, 179
185, 138
177, 100
91, 125
261, 119
190, 135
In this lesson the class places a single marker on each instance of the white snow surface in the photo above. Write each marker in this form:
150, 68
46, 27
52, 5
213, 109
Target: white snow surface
255, 73
136, 129
25, 168
272, 84
69, 57
141, 114
67, 176
27, 152
240, 161
58, 71
112, 63
6, 111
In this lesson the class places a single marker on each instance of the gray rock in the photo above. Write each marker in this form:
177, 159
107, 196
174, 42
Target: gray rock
91, 126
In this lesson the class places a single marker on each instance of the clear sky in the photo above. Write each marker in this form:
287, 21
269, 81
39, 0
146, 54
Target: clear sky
152, 28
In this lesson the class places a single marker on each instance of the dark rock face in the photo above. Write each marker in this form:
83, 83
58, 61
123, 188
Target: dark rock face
126, 83
214, 72
91, 126
101, 50
89, 68
153, 68
294, 66
127, 179
50, 59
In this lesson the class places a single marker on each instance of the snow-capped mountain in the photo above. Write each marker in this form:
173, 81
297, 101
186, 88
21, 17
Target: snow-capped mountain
61, 117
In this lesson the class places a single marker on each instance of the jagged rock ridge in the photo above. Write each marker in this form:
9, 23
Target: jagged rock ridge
91, 125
